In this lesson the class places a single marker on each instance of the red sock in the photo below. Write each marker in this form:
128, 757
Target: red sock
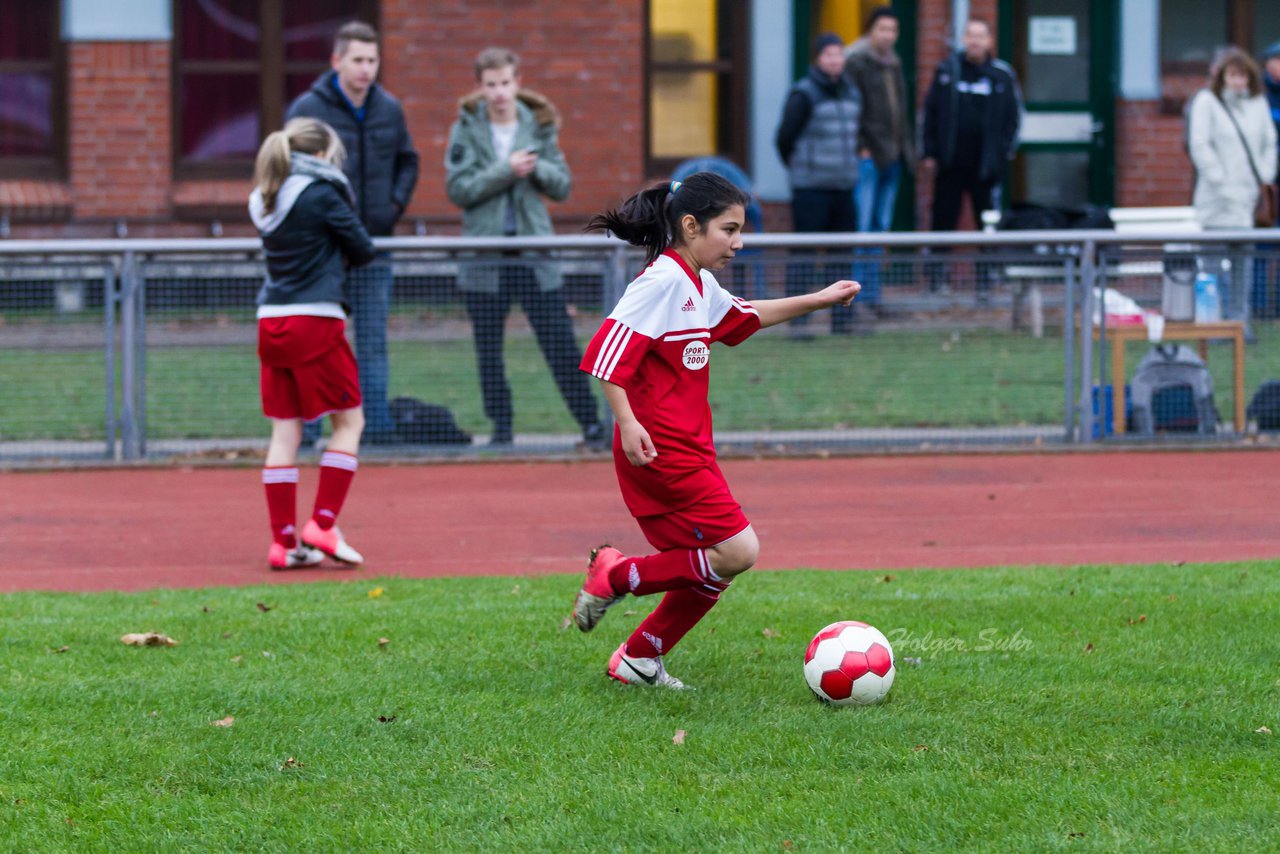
336, 471
670, 570
679, 611
281, 485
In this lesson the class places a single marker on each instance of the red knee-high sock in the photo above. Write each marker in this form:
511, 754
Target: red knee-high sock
281, 485
670, 570
679, 611
336, 471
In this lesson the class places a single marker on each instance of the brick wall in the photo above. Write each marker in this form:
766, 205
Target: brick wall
118, 129
586, 55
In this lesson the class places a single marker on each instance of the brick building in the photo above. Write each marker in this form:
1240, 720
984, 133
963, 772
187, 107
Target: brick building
140, 117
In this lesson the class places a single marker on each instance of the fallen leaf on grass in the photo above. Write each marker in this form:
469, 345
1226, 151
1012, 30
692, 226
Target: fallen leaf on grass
375, 593
1262, 730
60, 650
1076, 834
1142, 618
382, 642
629, 613
292, 763
147, 639
886, 579
515, 591
386, 719
1088, 648
920, 748
237, 658
678, 738
264, 608
769, 633
223, 722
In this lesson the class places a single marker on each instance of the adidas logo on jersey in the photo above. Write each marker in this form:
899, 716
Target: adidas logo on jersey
689, 306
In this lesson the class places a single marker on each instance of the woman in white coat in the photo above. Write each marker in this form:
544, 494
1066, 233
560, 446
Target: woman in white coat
1232, 142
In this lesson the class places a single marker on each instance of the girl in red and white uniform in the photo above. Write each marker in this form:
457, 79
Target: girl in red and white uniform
303, 207
652, 358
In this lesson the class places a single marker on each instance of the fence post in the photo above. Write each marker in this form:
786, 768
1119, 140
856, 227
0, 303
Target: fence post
130, 435
109, 301
615, 282
1088, 281
1069, 355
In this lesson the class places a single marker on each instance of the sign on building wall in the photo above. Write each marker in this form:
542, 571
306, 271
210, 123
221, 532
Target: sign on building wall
1052, 35
117, 20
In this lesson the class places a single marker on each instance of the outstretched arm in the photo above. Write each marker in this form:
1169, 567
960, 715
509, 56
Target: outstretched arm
636, 443
775, 311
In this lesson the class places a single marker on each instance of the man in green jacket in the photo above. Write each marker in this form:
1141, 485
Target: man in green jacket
503, 157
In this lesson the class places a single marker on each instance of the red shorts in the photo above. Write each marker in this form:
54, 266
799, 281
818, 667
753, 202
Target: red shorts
308, 369
709, 522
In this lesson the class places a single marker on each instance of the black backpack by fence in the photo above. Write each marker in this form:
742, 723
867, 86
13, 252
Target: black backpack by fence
1265, 406
419, 422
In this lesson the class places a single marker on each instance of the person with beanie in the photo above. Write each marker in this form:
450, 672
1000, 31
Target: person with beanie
817, 139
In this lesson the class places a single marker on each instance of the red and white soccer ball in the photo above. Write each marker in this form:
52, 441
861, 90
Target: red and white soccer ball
849, 663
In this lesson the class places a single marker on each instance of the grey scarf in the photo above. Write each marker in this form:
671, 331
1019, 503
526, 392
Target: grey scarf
313, 167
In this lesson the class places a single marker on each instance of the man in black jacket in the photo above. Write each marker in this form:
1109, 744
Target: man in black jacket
382, 166
971, 119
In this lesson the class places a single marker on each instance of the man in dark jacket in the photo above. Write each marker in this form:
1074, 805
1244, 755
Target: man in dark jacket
382, 166
885, 144
971, 119
817, 139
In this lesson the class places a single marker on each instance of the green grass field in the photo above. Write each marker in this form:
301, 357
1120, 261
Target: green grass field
893, 379
1093, 709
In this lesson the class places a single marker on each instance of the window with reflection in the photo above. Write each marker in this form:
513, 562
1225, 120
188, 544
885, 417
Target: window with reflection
696, 81
31, 90
238, 64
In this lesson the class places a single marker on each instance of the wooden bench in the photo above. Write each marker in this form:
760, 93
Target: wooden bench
1028, 278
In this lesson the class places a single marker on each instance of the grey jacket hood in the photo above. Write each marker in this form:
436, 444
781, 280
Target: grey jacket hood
304, 170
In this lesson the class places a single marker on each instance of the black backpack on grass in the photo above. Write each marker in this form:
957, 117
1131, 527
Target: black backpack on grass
420, 423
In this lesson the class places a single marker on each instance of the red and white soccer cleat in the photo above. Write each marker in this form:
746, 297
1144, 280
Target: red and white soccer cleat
641, 671
330, 542
597, 595
280, 557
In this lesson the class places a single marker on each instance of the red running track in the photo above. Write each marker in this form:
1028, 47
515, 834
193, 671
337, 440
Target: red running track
131, 529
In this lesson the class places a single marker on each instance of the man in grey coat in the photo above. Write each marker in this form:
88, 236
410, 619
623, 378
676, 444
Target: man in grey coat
382, 167
503, 158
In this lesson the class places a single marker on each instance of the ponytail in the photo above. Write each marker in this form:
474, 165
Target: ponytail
272, 167
651, 218
309, 136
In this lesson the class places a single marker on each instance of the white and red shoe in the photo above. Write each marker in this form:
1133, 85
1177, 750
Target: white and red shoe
641, 671
330, 542
283, 557
596, 595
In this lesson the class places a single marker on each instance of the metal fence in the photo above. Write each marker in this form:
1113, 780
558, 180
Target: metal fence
129, 350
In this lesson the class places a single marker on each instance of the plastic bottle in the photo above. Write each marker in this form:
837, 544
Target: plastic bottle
1208, 300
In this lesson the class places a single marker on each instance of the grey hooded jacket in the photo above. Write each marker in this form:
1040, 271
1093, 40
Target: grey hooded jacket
309, 235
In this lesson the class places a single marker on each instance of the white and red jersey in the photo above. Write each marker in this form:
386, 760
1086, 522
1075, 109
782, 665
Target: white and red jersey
656, 345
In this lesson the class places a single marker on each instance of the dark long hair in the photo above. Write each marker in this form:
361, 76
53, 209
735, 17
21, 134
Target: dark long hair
651, 218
